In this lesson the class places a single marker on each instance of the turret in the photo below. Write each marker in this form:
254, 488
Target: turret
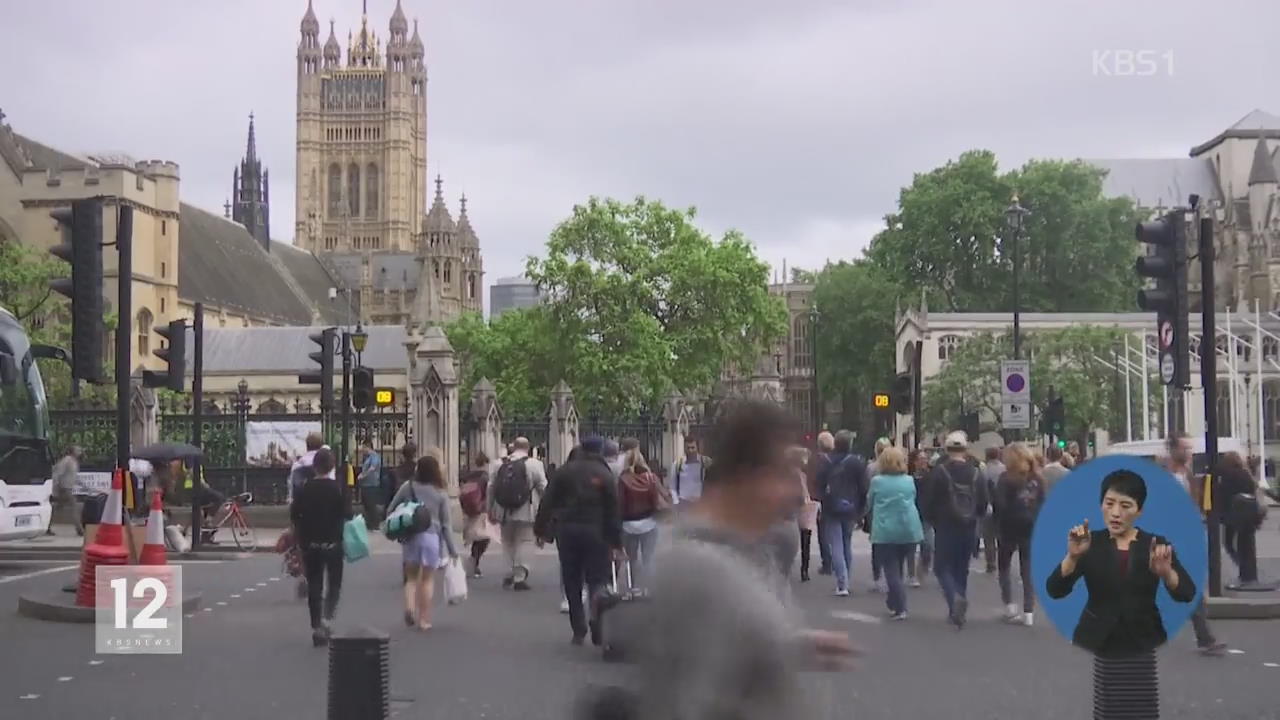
309, 44
332, 50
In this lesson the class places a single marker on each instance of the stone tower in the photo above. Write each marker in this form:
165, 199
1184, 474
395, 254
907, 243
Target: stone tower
250, 196
361, 138
449, 283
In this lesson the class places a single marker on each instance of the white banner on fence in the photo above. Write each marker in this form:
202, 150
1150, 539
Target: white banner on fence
277, 443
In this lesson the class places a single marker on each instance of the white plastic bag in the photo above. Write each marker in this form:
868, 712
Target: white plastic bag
177, 541
455, 582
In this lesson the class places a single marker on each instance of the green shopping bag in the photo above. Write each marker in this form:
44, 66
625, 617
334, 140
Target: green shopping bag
355, 539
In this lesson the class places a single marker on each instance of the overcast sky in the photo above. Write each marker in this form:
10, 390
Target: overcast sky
796, 122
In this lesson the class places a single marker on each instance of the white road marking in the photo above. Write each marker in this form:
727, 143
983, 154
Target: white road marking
262, 584
208, 609
856, 616
222, 603
251, 589
274, 579
65, 678
29, 696
189, 615
96, 662
37, 573
235, 595
1234, 651
1270, 664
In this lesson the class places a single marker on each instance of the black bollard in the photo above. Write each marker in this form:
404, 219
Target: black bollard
359, 675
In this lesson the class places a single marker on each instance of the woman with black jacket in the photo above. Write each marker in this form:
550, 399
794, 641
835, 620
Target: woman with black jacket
1018, 496
1239, 497
1123, 567
319, 510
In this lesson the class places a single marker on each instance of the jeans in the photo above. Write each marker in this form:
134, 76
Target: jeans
640, 548
990, 542
839, 536
1241, 545
1200, 623
892, 557
952, 551
584, 559
1022, 544
806, 547
824, 549
319, 562
926, 549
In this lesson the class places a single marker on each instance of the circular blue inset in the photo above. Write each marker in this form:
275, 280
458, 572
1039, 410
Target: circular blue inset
1168, 511
1015, 383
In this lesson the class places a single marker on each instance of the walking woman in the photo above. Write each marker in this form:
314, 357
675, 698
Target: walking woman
895, 523
423, 552
800, 458
1245, 512
1123, 566
1017, 501
475, 529
642, 496
318, 512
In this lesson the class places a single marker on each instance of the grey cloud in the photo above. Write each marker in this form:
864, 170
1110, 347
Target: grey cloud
797, 123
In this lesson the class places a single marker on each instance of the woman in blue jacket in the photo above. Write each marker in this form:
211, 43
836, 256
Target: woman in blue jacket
895, 523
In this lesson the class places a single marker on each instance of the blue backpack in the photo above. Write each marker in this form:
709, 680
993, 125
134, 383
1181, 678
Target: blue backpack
845, 486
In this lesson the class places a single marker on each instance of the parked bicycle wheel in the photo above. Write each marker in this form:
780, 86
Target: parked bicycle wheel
246, 539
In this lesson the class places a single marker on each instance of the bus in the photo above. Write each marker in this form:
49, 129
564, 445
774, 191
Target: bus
26, 460
1155, 449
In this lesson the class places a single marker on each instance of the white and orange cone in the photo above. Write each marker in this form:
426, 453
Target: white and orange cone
153, 550
107, 547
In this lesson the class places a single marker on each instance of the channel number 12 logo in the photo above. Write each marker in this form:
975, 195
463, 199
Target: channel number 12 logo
139, 610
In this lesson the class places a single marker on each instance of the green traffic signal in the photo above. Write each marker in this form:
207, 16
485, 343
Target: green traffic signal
1062, 444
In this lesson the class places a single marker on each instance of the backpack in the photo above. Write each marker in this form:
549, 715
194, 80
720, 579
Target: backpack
1026, 504
471, 496
963, 495
408, 519
637, 502
845, 491
511, 488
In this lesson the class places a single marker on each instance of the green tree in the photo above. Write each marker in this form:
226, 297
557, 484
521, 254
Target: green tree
1073, 361
641, 301
518, 351
855, 336
949, 236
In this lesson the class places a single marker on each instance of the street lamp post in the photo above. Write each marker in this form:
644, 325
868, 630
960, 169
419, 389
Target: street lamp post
813, 363
241, 405
1014, 216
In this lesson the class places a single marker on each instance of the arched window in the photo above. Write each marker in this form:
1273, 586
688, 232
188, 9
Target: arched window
471, 286
1270, 348
1271, 409
801, 347
435, 266
947, 345
144, 321
272, 407
353, 190
371, 191
908, 357
335, 190
448, 272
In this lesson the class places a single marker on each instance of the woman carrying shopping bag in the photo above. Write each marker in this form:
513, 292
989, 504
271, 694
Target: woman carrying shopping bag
422, 551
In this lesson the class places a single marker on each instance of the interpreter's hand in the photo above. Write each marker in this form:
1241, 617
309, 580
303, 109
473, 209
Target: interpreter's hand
830, 651
1161, 562
1079, 540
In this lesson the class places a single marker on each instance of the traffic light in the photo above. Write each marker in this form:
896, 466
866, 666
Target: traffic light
1166, 264
362, 391
175, 354
1055, 418
969, 423
901, 395
81, 246
327, 339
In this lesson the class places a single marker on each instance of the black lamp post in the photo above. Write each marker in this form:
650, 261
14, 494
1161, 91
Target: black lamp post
359, 340
814, 316
241, 401
1014, 216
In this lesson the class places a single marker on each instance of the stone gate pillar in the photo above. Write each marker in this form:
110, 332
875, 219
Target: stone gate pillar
564, 424
144, 416
675, 415
486, 426
434, 410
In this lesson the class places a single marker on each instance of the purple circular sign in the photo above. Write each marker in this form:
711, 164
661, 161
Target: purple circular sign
1015, 383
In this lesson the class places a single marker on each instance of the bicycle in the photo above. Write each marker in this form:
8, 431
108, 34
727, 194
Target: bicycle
229, 512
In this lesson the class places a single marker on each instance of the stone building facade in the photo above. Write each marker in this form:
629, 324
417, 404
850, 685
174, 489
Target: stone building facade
362, 177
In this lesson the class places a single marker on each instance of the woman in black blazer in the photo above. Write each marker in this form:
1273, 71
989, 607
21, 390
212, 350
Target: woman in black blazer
1123, 566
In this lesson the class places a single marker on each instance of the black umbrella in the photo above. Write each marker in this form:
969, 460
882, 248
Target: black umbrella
166, 451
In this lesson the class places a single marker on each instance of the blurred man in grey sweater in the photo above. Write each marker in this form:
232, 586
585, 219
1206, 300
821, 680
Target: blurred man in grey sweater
722, 640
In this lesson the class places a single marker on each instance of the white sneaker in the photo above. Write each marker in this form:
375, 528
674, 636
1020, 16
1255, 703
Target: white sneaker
913, 582
1028, 619
1011, 614
564, 607
842, 593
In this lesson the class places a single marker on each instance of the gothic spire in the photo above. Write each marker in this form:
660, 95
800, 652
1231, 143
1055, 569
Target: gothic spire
399, 24
1264, 168
251, 149
310, 25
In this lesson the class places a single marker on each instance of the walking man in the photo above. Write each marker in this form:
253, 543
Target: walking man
688, 473
844, 493
956, 501
66, 474
818, 465
516, 488
1179, 463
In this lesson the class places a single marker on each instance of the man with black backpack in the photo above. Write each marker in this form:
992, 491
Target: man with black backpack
517, 486
955, 501
843, 488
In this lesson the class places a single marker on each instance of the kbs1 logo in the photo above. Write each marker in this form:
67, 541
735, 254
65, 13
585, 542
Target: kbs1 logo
1132, 63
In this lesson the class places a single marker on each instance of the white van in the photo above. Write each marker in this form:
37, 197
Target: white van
1155, 449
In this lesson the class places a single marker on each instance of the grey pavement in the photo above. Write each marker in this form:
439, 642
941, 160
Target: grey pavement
504, 655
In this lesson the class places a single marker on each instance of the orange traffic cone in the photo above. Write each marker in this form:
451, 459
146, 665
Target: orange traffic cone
153, 552
107, 547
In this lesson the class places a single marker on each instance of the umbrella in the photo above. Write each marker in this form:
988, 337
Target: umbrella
166, 451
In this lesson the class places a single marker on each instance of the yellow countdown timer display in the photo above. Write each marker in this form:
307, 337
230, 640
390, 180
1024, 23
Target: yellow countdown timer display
384, 397
881, 400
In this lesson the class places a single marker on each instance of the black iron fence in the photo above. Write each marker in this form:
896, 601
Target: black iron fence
242, 451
